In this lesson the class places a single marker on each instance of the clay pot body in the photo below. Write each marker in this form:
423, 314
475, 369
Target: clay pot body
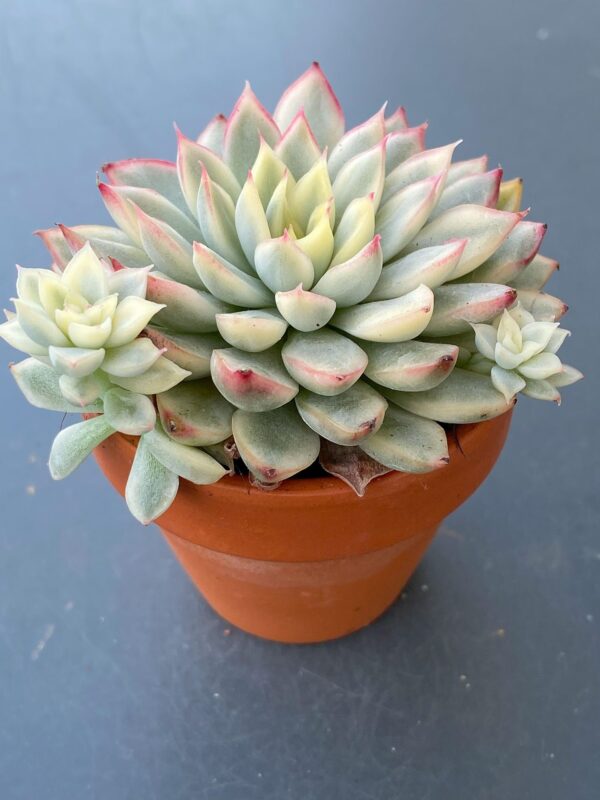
311, 561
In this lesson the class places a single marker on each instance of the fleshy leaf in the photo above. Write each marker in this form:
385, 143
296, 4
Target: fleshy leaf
418, 167
410, 366
318, 242
129, 413
192, 158
404, 214
267, 171
282, 265
77, 235
247, 122
161, 376
15, 336
190, 351
298, 148
397, 121
324, 362
252, 331
541, 366
195, 413
55, 242
75, 361
462, 169
188, 462
278, 213
457, 305
216, 215
39, 384
484, 228
350, 282
408, 443
475, 189
515, 252
544, 307
250, 219
83, 392
511, 194
34, 322
305, 311
227, 282
431, 266
566, 376
478, 363
311, 191
28, 284
52, 292
346, 418
485, 339
403, 144
131, 359
130, 319
355, 229
212, 136
546, 334
106, 245
312, 93
506, 381
169, 252
185, 309
536, 274
252, 381
151, 487
90, 336
85, 275
542, 390
463, 397
362, 175
275, 444
125, 281
357, 140
74, 444
396, 320
148, 173
118, 201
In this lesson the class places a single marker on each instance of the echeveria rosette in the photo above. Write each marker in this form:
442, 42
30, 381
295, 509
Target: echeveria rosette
85, 323
520, 355
320, 284
81, 329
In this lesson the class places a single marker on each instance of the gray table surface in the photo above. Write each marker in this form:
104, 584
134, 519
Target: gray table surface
116, 680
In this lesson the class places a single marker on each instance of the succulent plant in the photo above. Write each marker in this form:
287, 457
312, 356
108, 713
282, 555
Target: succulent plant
85, 323
519, 354
81, 330
317, 290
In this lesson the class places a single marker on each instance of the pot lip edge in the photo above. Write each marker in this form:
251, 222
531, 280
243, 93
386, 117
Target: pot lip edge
330, 485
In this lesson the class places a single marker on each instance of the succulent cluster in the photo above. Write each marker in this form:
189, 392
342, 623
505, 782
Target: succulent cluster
287, 289
85, 323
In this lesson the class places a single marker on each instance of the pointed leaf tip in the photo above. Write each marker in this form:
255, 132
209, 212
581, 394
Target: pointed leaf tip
312, 92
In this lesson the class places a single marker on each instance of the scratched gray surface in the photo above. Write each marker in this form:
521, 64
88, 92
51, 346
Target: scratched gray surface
482, 683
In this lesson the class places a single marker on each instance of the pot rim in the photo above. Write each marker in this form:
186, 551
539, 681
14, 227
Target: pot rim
330, 485
317, 519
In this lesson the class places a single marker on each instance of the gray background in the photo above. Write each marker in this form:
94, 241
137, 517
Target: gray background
482, 683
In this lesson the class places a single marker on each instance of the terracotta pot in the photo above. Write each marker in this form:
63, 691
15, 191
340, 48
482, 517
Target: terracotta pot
311, 561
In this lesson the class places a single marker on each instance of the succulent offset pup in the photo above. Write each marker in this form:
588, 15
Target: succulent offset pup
286, 290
